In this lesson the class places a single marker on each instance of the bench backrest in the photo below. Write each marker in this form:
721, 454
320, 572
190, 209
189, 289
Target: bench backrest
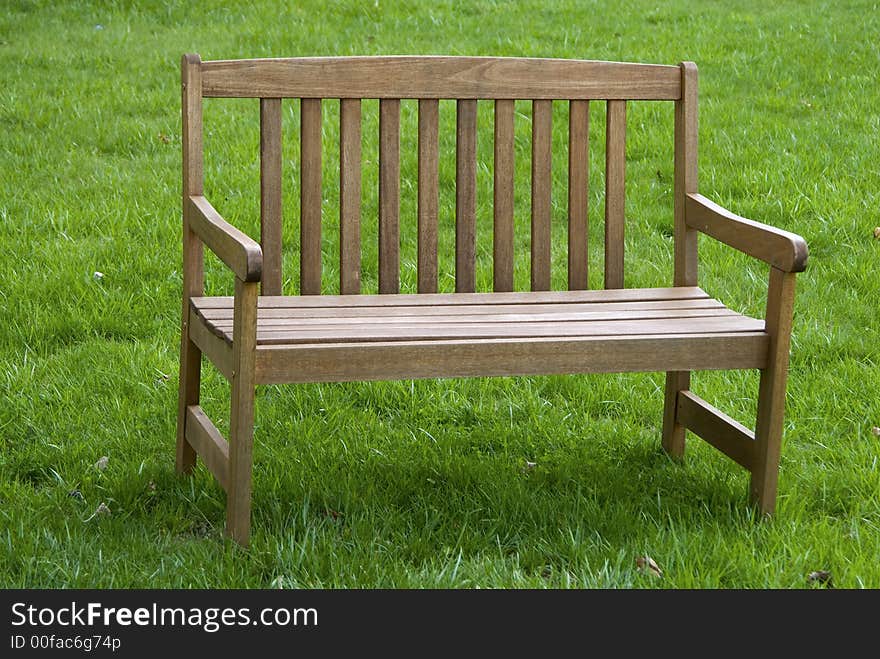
465, 80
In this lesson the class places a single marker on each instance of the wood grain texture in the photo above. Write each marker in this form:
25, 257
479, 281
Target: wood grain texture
466, 196
565, 322
431, 299
270, 195
781, 249
191, 125
542, 158
389, 196
503, 195
465, 317
615, 192
771, 391
686, 137
293, 323
505, 357
216, 346
241, 253
673, 434
441, 312
310, 197
203, 435
439, 77
241, 423
718, 429
684, 238
193, 252
429, 194
385, 331
578, 192
350, 196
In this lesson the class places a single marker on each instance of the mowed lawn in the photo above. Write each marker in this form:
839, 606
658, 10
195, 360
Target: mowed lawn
426, 483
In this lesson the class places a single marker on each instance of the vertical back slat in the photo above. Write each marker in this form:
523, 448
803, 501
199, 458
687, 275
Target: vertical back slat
615, 194
502, 237
270, 194
350, 196
578, 184
686, 128
542, 122
310, 197
389, 196
429, 186
465, 196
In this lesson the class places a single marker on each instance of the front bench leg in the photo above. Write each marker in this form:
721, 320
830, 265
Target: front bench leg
241, 426
771, 391
758, 451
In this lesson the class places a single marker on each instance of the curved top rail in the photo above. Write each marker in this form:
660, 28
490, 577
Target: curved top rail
405, 76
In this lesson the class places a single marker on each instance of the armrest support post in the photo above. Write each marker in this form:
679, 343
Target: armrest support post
771, 391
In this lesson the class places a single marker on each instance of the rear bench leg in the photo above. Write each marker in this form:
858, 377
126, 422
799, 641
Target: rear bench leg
771, 391
673, 431
241, 426
188, 394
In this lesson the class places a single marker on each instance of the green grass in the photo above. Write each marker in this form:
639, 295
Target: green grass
421, 484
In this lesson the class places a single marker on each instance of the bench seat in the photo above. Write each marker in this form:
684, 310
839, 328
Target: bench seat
354, 337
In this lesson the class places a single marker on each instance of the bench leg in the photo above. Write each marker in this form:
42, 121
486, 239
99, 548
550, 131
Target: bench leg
241, 435
771, 392
241, 426
673, 431
188, 394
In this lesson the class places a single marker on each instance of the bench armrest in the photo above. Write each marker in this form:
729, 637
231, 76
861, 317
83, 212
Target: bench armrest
781, 249
240, 252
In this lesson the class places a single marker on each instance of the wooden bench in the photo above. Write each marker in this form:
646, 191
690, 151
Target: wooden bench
260, 336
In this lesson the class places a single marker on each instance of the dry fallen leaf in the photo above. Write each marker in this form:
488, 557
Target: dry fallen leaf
164, 138
821, 577
877, 233
102, 463
647, 565
875, 431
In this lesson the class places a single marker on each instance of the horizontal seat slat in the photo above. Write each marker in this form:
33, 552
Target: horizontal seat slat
414, 332
434, 299
439, 77
403, 329
406, 320
225, 313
